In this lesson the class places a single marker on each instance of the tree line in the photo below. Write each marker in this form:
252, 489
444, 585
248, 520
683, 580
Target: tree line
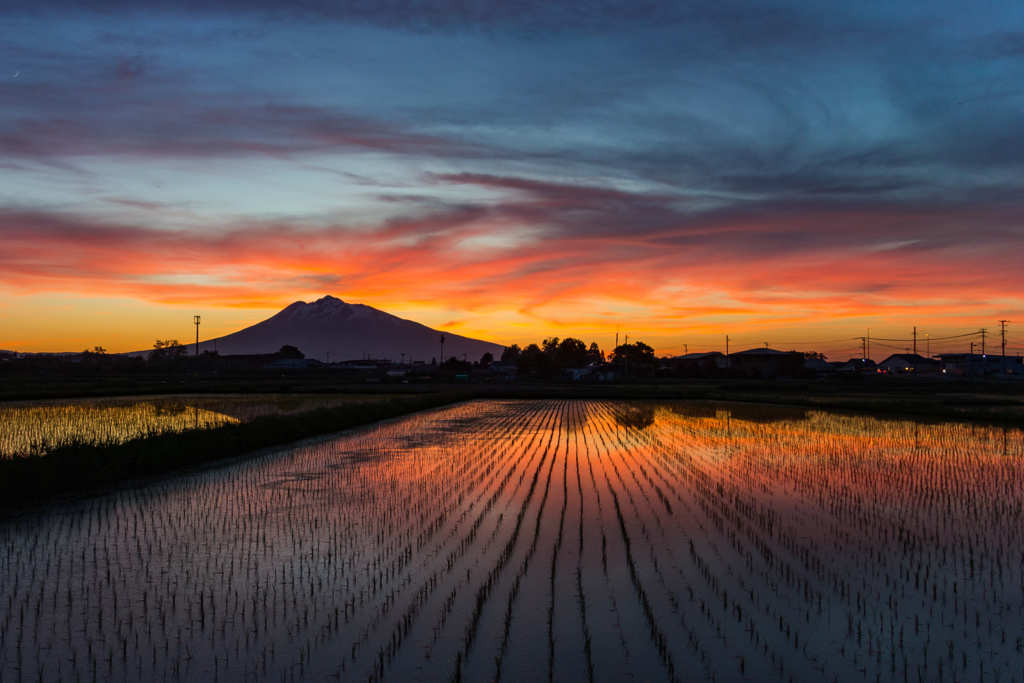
553, 355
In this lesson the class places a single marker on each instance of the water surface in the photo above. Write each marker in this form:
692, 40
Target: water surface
540, 540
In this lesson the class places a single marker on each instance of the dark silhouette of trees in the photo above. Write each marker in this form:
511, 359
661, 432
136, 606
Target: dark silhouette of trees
533, 360
553, 356
487, 358
167, 349
290, 352
511, 354
636, 359
572, 353
456, 366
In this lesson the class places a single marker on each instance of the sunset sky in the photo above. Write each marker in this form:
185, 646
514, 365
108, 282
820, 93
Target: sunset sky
791, 173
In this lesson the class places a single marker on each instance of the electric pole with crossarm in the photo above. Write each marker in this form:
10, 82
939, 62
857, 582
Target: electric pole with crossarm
1002, 360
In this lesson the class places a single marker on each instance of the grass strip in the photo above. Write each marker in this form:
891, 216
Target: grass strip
80, 467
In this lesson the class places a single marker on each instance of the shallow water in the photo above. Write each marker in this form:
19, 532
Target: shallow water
27, 427
539, 540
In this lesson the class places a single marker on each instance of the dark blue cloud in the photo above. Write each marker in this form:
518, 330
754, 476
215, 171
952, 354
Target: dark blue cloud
715, 104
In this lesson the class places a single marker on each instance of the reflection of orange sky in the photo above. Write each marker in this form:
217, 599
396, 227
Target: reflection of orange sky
849, 465
69, 287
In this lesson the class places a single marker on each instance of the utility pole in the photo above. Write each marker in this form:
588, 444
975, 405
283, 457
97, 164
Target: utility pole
728, 361
686, 350
626, 344
328, 357
863, 349
915, 340
984, 330
403, 359
1002, 361
869, 343
197, 335
928, 343
442, 348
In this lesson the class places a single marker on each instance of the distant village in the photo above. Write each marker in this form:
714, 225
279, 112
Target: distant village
568, 360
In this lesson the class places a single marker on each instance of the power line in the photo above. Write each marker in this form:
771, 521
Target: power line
957, 336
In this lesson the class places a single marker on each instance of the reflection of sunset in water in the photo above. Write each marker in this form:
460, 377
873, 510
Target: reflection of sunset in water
564, 540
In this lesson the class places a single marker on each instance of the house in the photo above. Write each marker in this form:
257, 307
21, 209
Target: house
695, 362
363, 367
295, 364
504, 369
820, 367
962, 364
857, 365
595, 372
577, 373
766, 363
907, 363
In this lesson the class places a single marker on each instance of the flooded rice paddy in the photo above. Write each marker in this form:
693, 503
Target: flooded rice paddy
543, 540
30, 427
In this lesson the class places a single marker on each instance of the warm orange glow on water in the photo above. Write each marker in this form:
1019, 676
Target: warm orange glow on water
537, 539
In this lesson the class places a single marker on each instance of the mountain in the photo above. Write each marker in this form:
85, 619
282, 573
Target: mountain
347, 331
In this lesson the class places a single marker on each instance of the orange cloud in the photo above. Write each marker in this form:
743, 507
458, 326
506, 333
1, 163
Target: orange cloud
554, 259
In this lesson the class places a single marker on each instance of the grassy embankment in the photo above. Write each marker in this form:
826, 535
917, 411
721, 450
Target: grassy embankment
81, 467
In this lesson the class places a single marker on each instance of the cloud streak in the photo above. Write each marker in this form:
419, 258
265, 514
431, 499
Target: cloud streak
596, 245
688, 164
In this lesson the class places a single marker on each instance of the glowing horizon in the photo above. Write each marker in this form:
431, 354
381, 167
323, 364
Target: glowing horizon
786, 175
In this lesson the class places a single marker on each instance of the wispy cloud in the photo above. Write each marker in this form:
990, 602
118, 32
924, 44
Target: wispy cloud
542, 161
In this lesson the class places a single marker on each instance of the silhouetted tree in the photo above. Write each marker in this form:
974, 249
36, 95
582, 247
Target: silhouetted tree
511, 354
550, 347
290, 352
530, 360
487, 358
595, 354
456, 366
636, 358
167, 349
572, 353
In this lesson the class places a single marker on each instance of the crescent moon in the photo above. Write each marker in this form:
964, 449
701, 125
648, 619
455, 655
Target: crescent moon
16, 74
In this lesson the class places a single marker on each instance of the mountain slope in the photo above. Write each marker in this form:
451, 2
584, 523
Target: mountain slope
347, 331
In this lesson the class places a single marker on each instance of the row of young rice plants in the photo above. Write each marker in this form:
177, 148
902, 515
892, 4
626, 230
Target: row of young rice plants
30, 428
136, 582
565, 540
261, 519
820, 513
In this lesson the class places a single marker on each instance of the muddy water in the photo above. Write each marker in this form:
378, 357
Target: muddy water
543, 540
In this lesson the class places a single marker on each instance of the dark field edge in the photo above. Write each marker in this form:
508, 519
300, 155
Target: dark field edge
82, 467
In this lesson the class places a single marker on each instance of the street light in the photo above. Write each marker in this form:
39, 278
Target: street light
197, 335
